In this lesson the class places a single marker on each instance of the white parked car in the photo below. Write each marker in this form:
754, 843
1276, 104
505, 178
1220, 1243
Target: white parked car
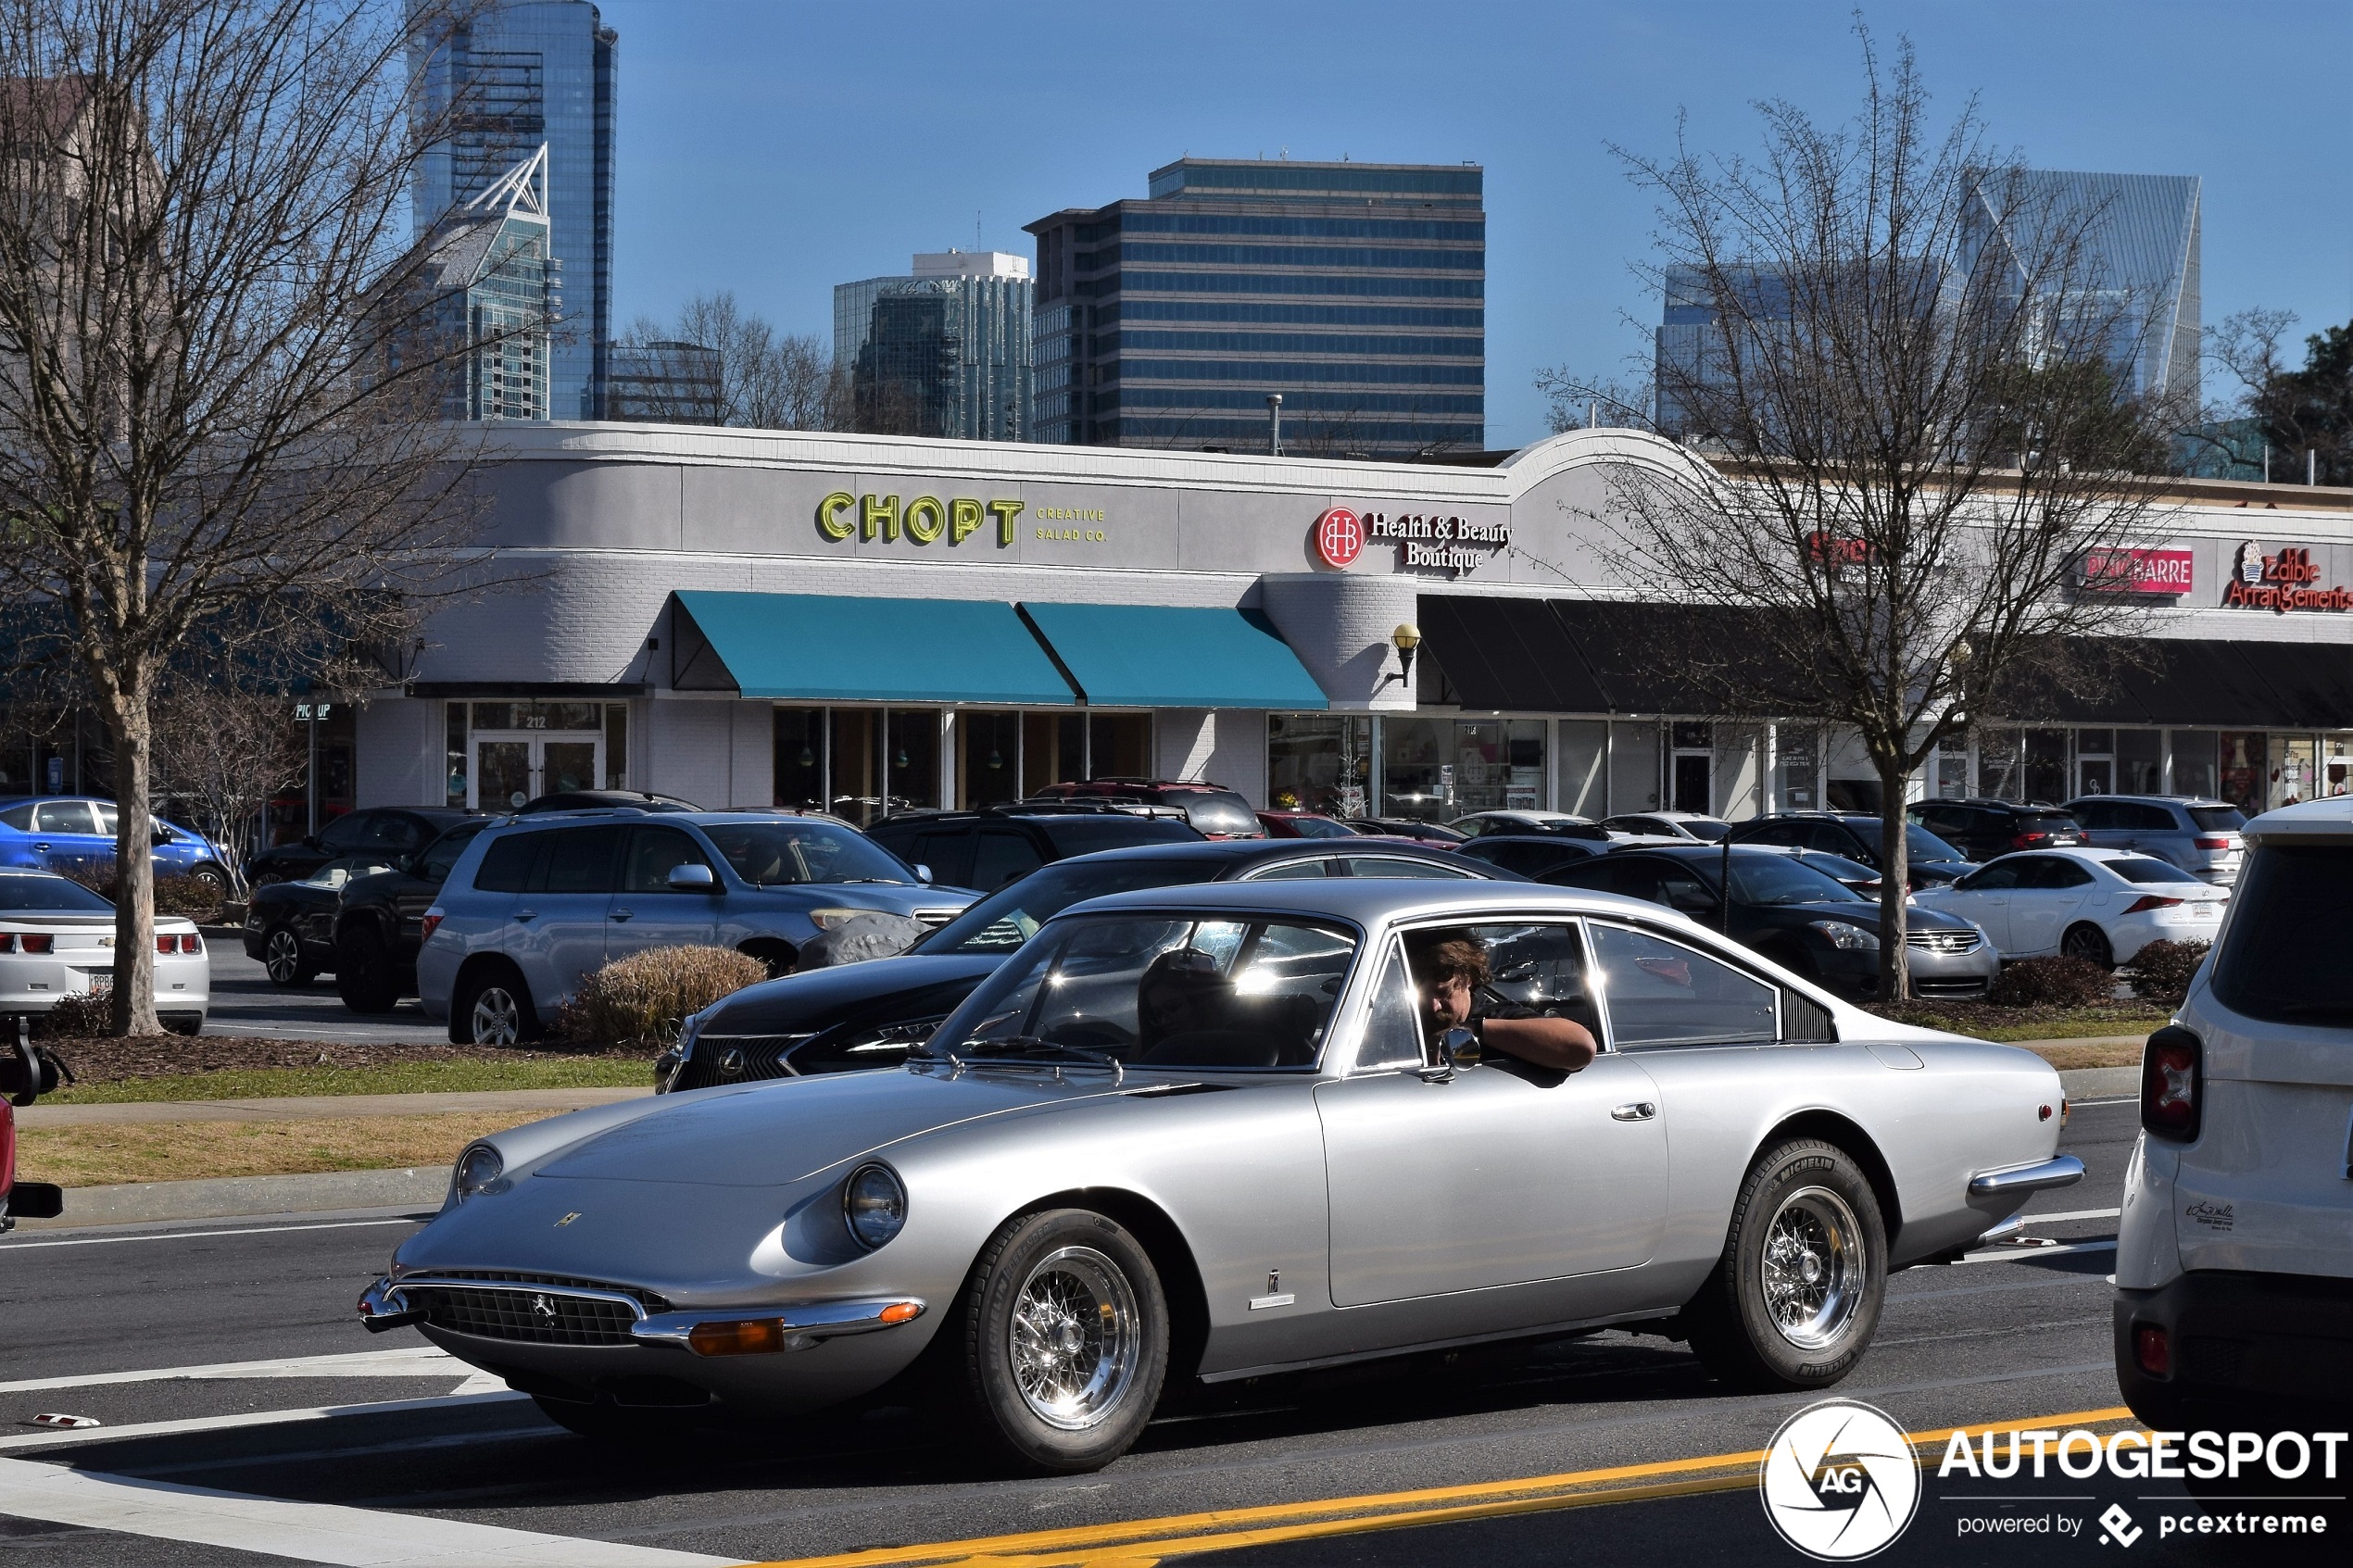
57, 940
2104, 905
2234, 1254
1482, 824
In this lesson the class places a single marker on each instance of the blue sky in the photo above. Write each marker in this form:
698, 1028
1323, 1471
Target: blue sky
776, 148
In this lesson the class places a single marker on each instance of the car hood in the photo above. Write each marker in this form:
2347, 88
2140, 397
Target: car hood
889, 898
779, 1134
1918, 917
799, 1004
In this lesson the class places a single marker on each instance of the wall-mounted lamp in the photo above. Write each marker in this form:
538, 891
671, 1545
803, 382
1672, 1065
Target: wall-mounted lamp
1406, 639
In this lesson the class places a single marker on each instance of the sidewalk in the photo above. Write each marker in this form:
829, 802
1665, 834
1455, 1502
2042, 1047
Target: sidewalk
319, 1108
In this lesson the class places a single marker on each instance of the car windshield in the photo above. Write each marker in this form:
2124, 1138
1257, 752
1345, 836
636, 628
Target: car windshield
2217, 819
1011, 916
1220, 813
1921, 844
1837, 866
1784, 879
1321, 827
1707, 828
785, 854
1185, 992
50, 893
2148, 867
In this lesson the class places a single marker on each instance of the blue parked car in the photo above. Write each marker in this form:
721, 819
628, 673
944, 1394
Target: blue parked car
535, 903
74, 835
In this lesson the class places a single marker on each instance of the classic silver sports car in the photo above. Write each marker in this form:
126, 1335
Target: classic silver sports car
1205, 1133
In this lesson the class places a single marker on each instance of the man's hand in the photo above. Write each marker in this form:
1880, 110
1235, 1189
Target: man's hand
1560, 1042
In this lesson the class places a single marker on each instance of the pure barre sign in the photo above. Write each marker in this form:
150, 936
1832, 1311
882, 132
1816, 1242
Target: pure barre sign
923, 519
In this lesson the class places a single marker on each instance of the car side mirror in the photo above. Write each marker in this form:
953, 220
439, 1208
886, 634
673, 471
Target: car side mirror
1444, 1058
693, 878
923, 874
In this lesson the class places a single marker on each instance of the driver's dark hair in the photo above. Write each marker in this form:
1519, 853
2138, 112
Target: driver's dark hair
1439, 955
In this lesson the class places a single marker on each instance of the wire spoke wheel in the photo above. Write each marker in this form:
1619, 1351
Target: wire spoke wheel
282, 955
1075, 1337
1815, 1268
497, 1020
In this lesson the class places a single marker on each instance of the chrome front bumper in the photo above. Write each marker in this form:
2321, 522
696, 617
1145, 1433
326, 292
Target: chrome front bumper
2018, 1181
384, 1305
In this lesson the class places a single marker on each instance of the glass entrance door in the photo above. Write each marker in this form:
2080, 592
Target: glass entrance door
512, 769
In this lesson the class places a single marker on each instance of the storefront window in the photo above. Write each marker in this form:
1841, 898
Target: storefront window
616, 745
1584, 760
2336, 764
2195, 755
2140, 762
1053, 750
1120, 746
800, 758
853, 734
2295, 764
1319, 762
2095, 761
1795, 764
2045, 765
911, 767
1998, 774
1438, 769
2245, 783
1633, 767
1417, 780
453, 759
1951, 772
987, 758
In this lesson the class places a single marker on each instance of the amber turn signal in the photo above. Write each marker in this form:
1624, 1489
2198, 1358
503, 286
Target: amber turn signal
750, 1336
902, 1311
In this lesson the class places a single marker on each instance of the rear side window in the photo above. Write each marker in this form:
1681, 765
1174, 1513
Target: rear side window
579, 860
1004, 855
1661, 993
18, 817
2217, 819
444, 851
1398, 866
2283, 957
506, 865
2145, 867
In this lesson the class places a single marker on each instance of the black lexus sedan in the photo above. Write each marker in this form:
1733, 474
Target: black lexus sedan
870, 1014
390, 829
290, 926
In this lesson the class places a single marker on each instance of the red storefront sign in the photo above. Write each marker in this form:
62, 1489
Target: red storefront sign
2281, 583
1339, 537
2140, 571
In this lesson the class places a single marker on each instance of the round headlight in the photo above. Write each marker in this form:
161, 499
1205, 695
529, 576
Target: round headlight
477, 1168
874, 1202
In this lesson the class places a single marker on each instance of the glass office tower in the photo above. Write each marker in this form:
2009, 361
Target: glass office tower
523, 72
1357, 291
942, 350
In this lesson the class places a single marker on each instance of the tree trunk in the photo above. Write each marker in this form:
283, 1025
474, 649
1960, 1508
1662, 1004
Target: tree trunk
1894, 954
134, 920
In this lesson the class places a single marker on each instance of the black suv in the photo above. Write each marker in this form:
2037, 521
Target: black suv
996, 844
398, 829
379, 924
1982, 829
866, 1015
1933, 862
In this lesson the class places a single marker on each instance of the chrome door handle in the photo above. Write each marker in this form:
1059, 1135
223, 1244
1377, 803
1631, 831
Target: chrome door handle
526, 914
1641, 1110
622, 914
42, 848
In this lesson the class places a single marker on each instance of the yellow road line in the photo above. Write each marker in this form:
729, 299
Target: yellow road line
1140, 1542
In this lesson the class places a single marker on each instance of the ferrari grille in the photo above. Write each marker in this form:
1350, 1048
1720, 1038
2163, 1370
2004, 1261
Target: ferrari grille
1943, 941
735, 1059
536, 1317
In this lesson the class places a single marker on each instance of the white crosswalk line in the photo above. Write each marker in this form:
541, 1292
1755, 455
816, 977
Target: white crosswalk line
348, 1538
408, 1361
246, 1418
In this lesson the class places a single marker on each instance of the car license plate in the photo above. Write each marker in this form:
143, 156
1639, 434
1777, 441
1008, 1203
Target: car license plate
102, 982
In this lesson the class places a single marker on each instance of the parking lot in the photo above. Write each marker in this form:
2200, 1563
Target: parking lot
244, 1002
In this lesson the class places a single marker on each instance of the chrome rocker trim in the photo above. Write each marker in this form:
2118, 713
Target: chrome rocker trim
2061, 1171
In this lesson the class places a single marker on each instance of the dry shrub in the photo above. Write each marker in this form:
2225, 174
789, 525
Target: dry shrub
2160, 972
174, 895
2061, 982
79, 1015
642, 997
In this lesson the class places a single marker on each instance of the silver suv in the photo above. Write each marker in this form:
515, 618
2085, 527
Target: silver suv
536, 902
2193, 832
2234, 1261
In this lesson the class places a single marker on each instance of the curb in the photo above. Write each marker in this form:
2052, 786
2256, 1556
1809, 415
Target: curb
225, 1197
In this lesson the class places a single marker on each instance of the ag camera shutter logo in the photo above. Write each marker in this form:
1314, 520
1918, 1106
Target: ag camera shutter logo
1839, 1481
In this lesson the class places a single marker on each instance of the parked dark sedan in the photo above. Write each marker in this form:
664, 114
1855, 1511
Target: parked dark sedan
1794, 915
1533, 854
290, 926
1932, 862
872, 1014
1436, 834
396, 829
379, 922
998, 844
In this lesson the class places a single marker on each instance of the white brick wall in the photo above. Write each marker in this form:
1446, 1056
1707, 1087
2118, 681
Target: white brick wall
399, 745
1341, 626
1227, 744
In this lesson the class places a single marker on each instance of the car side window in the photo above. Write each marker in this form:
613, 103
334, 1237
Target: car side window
578, 860
394, 832
947, 851
64, 816
1790, 833
2092, 816
348, 833
2037, 873
2155, 819
1542, 966
18, 817
1661, 994
1999, 877
2061, 872
654, 853
108, 823
443, 854
1290, 871
1004, 855
507, 864
1682, 891
1397, 866
1392, 1037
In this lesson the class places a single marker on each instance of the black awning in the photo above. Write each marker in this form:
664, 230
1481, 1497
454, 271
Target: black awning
2310, 683
1511, 654
1696, 660
2198, 682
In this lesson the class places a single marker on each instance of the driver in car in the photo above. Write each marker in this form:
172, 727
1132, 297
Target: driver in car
1451, 968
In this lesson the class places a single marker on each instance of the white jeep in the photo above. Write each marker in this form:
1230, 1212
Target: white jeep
2235, 1256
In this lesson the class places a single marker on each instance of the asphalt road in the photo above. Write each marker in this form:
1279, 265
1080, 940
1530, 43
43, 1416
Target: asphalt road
249, 1323
244, 1002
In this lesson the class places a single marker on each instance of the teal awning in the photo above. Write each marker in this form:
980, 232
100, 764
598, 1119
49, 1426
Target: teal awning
818, 647
1159, 655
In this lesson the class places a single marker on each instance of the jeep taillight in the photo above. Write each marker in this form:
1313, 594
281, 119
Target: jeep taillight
428, 924
2148, 901
2152, 1349
2171, 1081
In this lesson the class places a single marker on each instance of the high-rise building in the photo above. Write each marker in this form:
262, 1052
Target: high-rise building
515, 75
477, 293
664, 382
1356, 290
941, 350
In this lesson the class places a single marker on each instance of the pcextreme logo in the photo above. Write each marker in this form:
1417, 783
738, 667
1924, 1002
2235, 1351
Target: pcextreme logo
1838, 1481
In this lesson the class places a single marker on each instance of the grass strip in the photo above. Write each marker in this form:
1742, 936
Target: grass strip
383, 1078
180, 1151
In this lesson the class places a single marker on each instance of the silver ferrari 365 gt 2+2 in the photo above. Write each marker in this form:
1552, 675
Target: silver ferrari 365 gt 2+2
1221, 1131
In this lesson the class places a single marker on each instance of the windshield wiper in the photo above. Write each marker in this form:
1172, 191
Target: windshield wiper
1025, 1048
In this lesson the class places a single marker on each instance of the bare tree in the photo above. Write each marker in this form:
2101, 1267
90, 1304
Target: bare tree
1581, 402
216, 420
728, 366
1906, 395
227, 748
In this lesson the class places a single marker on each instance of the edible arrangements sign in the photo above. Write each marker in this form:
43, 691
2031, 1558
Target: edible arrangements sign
2281, 583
